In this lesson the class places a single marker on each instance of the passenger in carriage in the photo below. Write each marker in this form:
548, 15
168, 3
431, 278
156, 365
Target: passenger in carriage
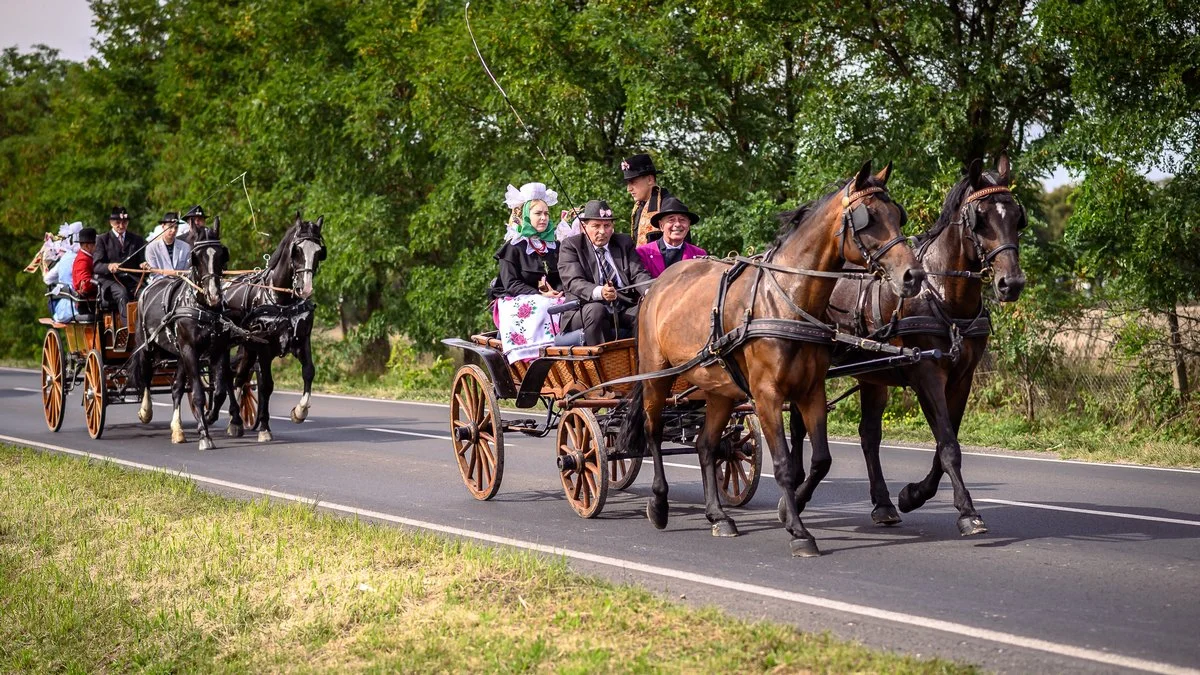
593, 265
112, 251
528, 284
675, 222
194, 219
641, 180
166, 251
81, 272
60, 275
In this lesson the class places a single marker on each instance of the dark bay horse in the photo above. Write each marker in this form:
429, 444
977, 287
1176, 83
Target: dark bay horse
974, 239
274, 306
181, 317
784, 359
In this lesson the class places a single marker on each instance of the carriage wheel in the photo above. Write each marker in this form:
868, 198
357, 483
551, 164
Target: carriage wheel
54, 377
476, 432
94, 393
582, 462
248, 402
621, 472
739, 463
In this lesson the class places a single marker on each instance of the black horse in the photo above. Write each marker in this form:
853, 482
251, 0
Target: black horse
181, 316
974, 239
273, 305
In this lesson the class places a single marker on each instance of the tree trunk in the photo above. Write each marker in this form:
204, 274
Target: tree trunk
1179, 376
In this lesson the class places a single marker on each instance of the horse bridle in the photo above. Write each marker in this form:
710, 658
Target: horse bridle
855, 218
204, 278
317, 257
985, 257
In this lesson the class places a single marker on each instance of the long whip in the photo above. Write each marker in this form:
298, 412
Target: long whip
241, 177
513, 108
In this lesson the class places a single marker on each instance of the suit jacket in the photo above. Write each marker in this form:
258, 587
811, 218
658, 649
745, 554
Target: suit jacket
109, 250
652, 257
578, 269
156, 255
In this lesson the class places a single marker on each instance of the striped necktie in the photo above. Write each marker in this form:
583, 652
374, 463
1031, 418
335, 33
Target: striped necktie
606, 270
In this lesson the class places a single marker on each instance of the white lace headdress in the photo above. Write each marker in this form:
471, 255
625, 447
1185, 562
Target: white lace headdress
514, 198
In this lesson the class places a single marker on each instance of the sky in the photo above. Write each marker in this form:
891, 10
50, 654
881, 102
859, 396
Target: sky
66, 25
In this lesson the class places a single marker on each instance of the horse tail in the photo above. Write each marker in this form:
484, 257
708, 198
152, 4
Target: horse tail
632, 437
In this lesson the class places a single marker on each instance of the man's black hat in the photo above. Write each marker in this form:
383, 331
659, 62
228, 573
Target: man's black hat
597, 209
118, 213
638, 165
169, 217
672, 205
87, 235
196, 211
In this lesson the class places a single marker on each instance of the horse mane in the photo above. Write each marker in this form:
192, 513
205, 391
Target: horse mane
796, 219
952, 204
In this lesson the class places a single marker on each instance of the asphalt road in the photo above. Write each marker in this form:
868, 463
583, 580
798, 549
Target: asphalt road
1086, 568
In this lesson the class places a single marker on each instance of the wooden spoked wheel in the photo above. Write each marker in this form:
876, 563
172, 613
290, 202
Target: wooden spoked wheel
476, 432
621, 472
94, 393
54, 380
248, 402
739, 463
583, 462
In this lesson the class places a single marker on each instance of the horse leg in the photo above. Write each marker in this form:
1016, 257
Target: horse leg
718, 410
307, 370
266, 385
812, 408
191, 359
142, 365
969, 520
798, 432
932, 393
177, 386
870, 432
654, 399
223, 386
769, 408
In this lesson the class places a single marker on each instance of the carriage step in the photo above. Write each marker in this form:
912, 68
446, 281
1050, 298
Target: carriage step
520, 425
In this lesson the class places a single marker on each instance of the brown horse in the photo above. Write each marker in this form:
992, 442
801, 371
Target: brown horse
856, 223
974, 238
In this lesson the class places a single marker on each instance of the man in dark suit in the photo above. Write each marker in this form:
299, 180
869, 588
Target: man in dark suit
112, 249
593, 265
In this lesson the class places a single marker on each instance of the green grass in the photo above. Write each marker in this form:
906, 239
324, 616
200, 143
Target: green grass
105, 569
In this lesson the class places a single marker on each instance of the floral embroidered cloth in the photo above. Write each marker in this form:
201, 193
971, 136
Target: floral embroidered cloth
525, 326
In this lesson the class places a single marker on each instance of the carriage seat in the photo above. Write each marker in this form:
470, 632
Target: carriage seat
87, 310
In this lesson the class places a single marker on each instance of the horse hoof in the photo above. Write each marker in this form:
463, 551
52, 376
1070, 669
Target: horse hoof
299, 415
781, 511
177, 436
805, 548
724, 528
909, 499
206, 444
657, 516
885, 515
265, 437
971, 525
234, 430
144, 416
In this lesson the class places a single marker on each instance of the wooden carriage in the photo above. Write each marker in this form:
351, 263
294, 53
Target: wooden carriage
570, 382
93, 350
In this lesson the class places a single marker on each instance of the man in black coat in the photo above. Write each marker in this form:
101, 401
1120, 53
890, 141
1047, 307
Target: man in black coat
593, 265
112, 249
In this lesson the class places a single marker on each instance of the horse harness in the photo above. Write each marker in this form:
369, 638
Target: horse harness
721, 346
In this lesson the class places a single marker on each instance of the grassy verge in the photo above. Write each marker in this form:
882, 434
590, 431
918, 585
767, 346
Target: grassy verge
103, 569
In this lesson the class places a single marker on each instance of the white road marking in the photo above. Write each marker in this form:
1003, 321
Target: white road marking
507, 443
225, 414
1070, 651
1091, 512
994, 455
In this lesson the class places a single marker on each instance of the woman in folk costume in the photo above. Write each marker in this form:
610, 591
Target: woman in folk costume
528, 284
58, 277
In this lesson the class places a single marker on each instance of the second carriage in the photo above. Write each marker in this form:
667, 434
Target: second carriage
586, 426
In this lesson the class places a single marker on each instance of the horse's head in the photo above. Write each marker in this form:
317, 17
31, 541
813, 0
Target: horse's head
869, 229
992, 219
209, 258
306, 252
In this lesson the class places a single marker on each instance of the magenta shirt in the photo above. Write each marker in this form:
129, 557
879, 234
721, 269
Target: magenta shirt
652, 258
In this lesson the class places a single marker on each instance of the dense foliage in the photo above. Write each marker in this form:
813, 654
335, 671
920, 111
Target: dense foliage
378, 115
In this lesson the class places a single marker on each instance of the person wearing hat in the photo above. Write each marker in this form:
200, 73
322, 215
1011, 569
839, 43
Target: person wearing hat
641, 180
528, 282
675, 222
166, 252
195, 217
593, 265
116, 249
59, 277
82, 280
